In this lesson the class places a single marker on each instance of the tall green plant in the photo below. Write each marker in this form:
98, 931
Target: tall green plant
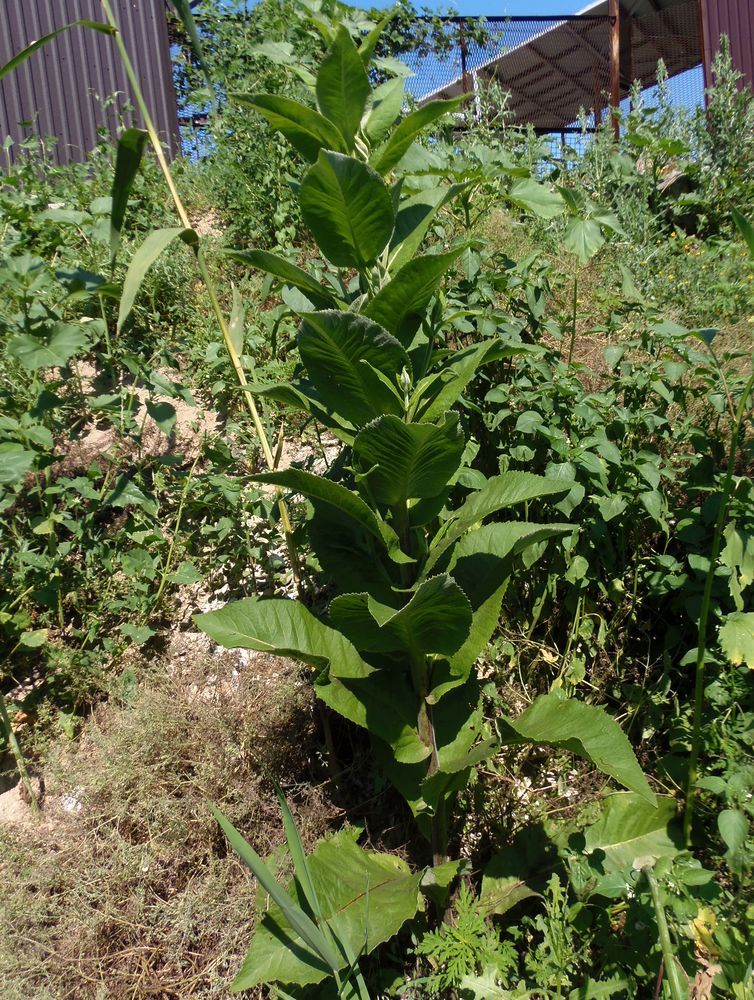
418, 580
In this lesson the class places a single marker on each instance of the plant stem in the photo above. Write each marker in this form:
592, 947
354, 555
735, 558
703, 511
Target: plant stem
209, 284
705, 610
16, 751
677, 989
176, 529
573, 317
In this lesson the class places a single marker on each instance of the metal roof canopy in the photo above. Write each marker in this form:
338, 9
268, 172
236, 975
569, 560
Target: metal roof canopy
566, 67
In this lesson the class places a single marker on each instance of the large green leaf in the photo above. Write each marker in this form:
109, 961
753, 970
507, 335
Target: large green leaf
288, 272
322, 956
537, 198
24, 54
340, 351
441, 390
348, 208
381, 703
436, 619
482, 564
350, 503
632, 833
736, 638
385, 158
282, 627
142, 260
63, 343
408, 461
365, 897
387, 101
585, 730
413, 219
343, 86
131, 144
305, 129
498, 493
400, 305
15, 462
583, 237
745, 228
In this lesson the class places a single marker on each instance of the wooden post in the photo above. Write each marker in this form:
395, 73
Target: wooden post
615, 64
462, 41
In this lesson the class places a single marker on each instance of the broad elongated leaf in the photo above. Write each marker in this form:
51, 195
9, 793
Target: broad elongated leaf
348, 209
142, 260
381, 703
582, 729
343, 86
282, 627
305, 129
387, 102
345, 500
131, 145
388, 155
498, 493
366, 898
237, 321
436, 619
482, 564
413, 220
537, 198
745, 228
443, 388
369, 44
281, 268
409, 461
30, 49
64, 342
632, 833
334, 347
400, 305
736, 637
322, 957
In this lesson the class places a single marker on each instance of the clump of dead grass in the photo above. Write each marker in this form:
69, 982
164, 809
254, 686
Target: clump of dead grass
126, 889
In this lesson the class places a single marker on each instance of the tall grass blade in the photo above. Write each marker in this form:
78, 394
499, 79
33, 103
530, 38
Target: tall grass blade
131, 146
142, 260
24, 54
183, 10
295, 916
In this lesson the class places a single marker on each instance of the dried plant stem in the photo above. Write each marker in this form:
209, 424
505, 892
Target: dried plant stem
209, 284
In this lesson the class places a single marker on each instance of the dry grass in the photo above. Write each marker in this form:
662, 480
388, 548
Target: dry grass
133, 894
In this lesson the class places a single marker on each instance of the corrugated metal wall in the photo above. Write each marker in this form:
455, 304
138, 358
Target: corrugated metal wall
734, 18
60, 89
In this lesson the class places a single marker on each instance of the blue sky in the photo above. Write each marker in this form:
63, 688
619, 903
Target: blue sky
507, 7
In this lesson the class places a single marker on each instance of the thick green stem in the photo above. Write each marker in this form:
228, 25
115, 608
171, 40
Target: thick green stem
209, 284
677, 990
16, 751
722, 513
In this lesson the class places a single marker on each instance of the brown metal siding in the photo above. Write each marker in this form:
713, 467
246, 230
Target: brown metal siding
734, 18
62, 86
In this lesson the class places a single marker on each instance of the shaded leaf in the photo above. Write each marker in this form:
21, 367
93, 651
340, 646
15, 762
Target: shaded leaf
130, 150
585, 730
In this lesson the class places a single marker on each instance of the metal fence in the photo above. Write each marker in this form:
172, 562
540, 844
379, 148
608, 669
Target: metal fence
558, 73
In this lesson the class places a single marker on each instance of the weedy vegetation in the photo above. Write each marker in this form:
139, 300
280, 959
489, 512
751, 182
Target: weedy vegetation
445, 440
